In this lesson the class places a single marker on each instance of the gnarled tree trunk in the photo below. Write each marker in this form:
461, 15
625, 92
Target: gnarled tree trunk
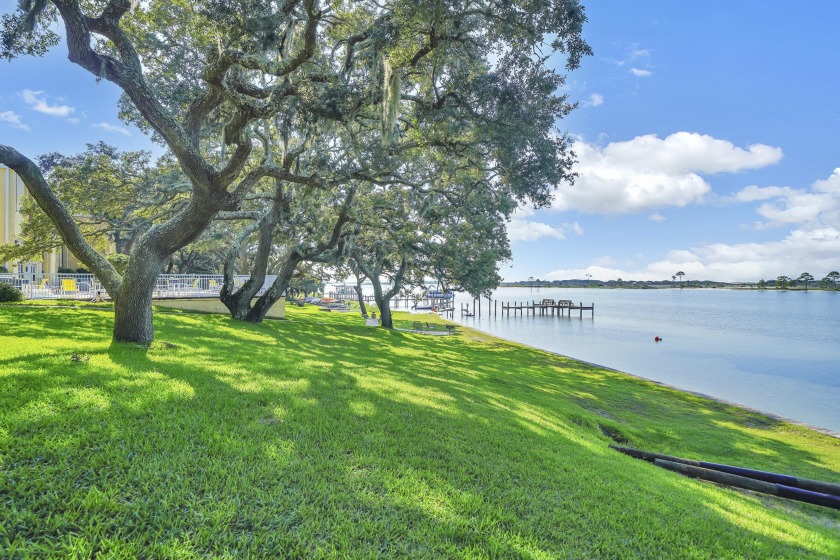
133, 298
278, 288
382, 297
239, 302
361, 296
383, 302
133, 305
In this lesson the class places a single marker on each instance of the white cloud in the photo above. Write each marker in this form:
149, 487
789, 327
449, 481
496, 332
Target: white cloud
649, 172
527, 230
799, 208
574, 227
37, 102
595, 100
112, 128
812, 244
657, 217
13, 119
689, 151
814, 250
784, 206
521, 228
632, 54
640, 72
597, 272
754, 192
830, 185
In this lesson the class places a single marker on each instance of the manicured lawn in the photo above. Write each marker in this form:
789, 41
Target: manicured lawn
318, 437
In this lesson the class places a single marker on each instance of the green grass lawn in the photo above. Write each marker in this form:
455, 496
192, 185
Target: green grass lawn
317, 437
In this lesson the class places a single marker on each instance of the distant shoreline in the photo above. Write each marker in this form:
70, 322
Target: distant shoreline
658, 286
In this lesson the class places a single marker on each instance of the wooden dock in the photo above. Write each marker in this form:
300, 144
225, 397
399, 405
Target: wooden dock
545, 307
442, 305
551, 307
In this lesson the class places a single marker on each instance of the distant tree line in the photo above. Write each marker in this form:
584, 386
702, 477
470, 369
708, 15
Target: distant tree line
804, 281
829, 282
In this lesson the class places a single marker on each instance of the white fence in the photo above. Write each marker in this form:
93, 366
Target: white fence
86, 286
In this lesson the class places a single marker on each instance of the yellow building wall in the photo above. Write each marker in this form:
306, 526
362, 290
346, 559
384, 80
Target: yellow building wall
13, 193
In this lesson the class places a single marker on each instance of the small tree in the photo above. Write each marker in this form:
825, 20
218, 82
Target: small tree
782, 282
680, 275
806, 277
833, 275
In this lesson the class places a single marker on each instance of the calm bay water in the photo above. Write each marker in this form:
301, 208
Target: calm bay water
777, 351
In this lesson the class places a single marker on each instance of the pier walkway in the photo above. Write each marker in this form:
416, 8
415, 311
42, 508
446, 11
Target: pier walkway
545, 307
548, 307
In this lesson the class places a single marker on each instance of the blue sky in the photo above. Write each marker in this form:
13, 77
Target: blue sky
702, 130
707, 137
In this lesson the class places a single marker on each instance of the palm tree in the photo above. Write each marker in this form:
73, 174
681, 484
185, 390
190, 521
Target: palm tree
806, 277
588, 279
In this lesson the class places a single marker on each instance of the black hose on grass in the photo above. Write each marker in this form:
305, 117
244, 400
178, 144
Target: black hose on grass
782, 485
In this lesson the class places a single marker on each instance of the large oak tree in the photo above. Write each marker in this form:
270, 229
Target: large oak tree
205, 77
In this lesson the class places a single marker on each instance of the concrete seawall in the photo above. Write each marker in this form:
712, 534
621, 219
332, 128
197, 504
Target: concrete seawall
213, 305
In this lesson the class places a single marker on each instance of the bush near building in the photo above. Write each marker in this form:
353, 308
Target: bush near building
9, 293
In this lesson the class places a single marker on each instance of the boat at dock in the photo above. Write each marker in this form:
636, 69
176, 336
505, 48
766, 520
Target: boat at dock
436, 294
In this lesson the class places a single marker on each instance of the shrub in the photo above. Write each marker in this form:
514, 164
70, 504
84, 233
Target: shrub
9, 293
3, 270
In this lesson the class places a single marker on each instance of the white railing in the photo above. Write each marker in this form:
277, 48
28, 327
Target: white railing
55, 286
86, 286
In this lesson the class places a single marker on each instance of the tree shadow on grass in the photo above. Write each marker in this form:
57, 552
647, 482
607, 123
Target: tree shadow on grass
465, 397
21, 321
644, 410
315, 440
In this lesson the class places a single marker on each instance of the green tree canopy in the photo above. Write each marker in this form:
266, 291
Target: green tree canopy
806, 278
205, 78
113, 196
